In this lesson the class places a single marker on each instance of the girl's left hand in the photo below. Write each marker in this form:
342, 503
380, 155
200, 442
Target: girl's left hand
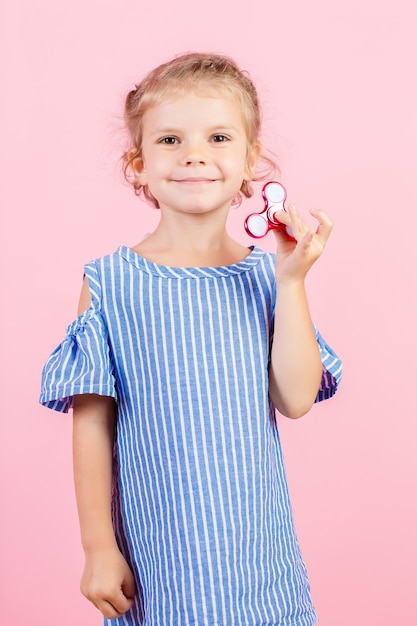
295, 258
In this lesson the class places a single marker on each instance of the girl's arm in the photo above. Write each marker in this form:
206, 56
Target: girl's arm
295, 366
107, 580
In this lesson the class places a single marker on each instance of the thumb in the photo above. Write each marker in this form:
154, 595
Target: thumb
121, 603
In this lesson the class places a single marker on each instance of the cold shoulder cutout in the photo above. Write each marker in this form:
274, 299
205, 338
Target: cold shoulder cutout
81, 363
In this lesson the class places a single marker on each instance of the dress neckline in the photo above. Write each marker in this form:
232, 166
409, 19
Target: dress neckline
149, 267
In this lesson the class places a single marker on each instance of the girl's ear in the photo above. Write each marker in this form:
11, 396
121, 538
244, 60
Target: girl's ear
137, 166
252, 160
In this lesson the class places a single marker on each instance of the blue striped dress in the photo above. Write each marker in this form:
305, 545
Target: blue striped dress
200, 500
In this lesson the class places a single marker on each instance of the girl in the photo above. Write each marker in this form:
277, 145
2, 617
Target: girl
184, 348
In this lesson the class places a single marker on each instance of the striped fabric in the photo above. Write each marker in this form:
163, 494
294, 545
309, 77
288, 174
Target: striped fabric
201, 506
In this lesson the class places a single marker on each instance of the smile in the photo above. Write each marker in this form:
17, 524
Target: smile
194, 181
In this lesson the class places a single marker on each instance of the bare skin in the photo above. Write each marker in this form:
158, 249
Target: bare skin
295, 367
107, 580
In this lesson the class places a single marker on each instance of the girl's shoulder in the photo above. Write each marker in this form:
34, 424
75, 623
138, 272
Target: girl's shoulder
94, 279
95, 268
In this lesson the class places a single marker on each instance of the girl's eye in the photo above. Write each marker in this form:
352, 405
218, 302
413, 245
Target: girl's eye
220, 138
168, 141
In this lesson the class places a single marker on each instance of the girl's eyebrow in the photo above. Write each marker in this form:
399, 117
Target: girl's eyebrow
157, 133
222, 127
212, 129
165, 131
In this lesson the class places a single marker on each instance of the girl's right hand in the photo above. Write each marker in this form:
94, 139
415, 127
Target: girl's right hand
108, 582
296, 256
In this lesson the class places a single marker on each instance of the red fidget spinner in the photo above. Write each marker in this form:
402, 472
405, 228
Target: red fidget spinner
259, 224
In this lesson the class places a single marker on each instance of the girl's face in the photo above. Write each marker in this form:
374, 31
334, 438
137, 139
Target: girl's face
195, 153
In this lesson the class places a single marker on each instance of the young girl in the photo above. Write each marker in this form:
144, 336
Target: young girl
184, 348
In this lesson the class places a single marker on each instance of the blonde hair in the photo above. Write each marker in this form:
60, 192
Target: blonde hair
197, 73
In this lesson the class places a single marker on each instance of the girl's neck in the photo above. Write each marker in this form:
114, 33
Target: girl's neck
199, 246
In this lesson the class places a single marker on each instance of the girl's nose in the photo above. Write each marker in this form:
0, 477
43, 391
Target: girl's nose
195, 159
194, 155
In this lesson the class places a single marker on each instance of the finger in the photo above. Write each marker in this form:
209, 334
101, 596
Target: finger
282, 216
286, 216
114, 605
108, 610
129, 586
306, 242
283, 237
296, 224
121, 603
325, 224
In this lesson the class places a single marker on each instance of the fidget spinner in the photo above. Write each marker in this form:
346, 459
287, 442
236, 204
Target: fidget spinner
259, 224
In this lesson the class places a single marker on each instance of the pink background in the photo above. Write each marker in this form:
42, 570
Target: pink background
337, 80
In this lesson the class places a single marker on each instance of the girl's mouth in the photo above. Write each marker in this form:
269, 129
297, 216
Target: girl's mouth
194, 181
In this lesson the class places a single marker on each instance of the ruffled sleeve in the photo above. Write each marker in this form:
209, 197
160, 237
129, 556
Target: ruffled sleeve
81, 364
331, 370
